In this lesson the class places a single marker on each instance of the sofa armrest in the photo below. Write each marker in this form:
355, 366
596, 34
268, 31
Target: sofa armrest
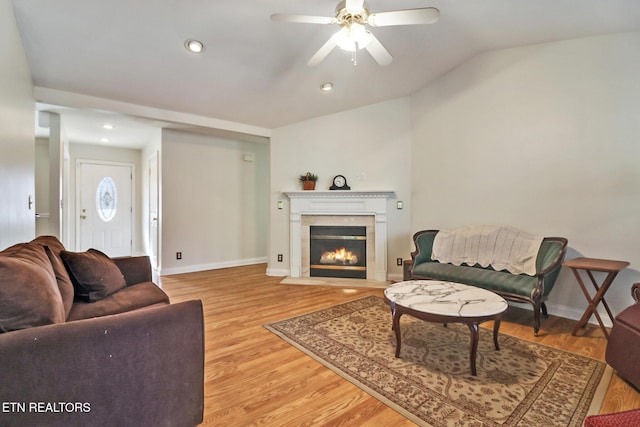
135, 269
142, 368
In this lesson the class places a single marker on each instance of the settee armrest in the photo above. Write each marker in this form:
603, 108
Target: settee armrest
142, 368
135, 269
635, 292
551, 255
423, 241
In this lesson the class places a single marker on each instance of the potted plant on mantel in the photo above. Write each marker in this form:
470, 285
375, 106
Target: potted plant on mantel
308, 181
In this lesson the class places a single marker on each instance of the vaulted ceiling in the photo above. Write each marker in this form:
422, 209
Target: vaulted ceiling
253, 70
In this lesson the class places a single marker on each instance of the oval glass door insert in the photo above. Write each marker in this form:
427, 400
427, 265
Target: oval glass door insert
106, 199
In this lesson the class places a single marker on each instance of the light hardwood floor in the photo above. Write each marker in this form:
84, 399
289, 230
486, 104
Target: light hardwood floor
252, 377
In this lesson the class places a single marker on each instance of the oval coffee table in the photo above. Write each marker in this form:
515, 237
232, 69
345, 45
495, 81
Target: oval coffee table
446, 302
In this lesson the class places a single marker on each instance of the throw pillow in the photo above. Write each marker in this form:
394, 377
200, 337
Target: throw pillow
94, 274
29, 294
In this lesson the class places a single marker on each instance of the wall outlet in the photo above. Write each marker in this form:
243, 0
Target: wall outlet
279, 257
398, 261
178, 255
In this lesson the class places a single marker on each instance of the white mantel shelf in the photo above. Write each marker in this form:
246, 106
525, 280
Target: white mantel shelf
345, 203
338, 194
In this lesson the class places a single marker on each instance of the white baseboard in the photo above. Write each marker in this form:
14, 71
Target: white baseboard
278, 271
395, 277
565, 312
575, 314
211, 266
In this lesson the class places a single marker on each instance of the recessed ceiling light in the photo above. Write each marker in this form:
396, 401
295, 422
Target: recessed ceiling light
326, 87
104, 139
107, 126
194, 46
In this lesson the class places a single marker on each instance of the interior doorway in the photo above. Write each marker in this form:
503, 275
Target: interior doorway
105, 207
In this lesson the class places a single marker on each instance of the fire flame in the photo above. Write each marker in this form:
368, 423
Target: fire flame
339, 256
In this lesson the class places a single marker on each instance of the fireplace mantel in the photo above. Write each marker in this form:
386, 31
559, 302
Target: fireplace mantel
338, 194
343, 203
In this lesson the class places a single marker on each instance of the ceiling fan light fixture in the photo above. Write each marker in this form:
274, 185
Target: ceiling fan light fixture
194, 46
352, 37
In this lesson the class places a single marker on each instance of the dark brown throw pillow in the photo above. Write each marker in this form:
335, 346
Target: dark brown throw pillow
29, 294
94, 274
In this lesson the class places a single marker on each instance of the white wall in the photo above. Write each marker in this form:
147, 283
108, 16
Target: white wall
214, 202
17, 140
544, 138
374, 140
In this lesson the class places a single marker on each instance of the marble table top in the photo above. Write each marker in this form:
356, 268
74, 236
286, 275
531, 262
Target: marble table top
445, 298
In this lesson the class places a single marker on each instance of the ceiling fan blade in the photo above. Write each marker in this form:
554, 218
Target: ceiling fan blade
303, 19
322, 53
427, 15
354, 5
379, 53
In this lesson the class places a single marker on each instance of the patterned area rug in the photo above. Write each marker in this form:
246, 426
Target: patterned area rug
523, 384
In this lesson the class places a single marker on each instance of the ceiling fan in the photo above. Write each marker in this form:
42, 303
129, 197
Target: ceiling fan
352, 16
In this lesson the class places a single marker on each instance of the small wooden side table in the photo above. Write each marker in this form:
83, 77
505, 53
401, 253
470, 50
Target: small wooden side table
612, 268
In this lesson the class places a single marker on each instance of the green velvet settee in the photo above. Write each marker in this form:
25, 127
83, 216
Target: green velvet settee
523, 288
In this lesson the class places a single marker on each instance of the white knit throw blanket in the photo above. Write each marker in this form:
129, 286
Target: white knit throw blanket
504, 248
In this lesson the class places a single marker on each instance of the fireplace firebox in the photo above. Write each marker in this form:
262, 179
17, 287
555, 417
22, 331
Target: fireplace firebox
338, 251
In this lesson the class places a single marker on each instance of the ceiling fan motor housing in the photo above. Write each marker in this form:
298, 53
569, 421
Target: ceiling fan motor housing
348, 17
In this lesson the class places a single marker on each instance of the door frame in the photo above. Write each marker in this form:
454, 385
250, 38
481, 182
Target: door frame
76, 213
154, 157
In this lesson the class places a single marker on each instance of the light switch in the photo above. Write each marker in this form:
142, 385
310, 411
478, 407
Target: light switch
399, 204
280, 204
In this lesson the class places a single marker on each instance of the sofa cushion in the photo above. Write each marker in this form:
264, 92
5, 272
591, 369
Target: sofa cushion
65, 286
29, 294
492, 280
94, 274
141, 295
53, 246
51, 241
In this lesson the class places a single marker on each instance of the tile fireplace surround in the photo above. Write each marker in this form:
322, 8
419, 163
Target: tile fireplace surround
368, 208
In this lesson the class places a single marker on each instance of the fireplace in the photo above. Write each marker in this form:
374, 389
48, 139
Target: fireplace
365, 209
338, 251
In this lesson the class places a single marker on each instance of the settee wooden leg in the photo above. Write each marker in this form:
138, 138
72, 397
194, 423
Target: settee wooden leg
536, 318
543, 306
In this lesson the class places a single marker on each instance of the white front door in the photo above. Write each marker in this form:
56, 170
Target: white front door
105, 207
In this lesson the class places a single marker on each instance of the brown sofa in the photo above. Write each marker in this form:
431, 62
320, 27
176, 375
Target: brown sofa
90, 340
623, 347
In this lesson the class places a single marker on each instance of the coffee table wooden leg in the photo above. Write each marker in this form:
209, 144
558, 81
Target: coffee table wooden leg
496, 327
473, 351
396, 327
